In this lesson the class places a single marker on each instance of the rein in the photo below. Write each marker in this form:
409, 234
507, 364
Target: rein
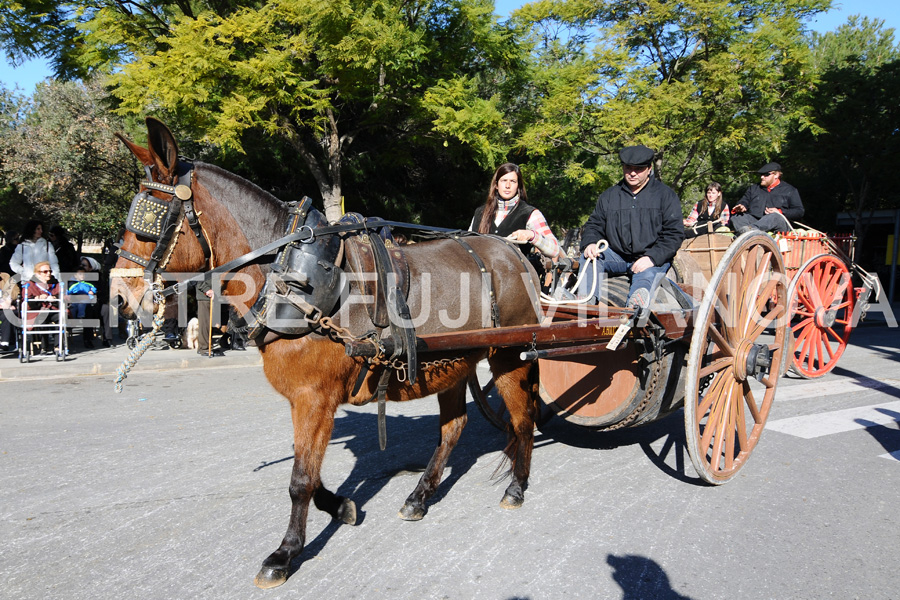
304, 235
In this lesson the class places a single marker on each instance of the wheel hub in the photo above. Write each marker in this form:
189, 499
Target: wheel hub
752, 360
825, 318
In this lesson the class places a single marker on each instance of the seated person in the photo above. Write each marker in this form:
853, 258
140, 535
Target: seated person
506, 212
640, 218
82, 293
769, 205
708, 215
39, 290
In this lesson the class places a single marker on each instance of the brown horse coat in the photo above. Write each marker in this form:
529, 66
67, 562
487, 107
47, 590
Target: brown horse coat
313, 371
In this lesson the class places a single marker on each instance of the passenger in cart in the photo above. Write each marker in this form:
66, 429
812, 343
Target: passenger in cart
640, 218
770, 205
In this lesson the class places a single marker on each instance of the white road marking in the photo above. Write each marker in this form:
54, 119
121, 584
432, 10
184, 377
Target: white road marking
891, 455
820, 389
838, 421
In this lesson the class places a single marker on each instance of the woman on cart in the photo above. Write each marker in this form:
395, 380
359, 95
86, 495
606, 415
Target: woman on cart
709, 214
506, 213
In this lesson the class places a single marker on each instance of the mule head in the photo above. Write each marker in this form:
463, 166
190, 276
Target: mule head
156, 237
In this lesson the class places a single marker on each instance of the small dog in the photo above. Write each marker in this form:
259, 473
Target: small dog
190, 334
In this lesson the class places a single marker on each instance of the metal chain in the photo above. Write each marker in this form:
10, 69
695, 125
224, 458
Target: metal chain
654, 381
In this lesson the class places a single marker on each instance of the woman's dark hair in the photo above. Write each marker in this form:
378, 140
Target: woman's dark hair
490, 205
720, 203
30, 227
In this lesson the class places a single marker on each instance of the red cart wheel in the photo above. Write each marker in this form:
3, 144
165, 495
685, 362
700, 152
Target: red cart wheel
736, 356
822, 299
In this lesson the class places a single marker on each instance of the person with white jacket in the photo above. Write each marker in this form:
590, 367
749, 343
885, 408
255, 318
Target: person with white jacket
32, 250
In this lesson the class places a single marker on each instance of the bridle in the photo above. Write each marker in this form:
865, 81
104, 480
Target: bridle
159, 219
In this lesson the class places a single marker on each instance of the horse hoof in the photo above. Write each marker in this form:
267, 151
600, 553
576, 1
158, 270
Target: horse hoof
347, 512
511, 502
270, 577
411, 513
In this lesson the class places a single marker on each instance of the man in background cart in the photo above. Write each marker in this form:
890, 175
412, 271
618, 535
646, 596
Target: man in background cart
769, 205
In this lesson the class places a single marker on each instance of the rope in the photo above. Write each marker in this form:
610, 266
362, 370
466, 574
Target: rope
590, 264
136, 353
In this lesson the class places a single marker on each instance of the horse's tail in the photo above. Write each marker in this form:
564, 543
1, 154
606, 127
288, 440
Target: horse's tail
507, 461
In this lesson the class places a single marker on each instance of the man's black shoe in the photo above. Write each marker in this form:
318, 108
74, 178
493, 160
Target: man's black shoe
215, 352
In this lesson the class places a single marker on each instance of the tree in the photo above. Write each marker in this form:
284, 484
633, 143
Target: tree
322, 77
59, 152
849, 158
711, 85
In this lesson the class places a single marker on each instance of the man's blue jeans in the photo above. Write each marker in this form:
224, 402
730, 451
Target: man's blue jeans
610, 263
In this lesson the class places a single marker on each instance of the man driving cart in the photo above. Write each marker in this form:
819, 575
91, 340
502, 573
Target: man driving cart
640, 217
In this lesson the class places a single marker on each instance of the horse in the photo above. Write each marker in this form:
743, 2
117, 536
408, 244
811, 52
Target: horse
229, 218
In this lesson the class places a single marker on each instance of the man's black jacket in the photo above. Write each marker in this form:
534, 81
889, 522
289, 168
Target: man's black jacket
648, 224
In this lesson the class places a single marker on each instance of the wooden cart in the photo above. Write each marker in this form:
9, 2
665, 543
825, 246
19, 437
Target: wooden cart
828, 292
718, 352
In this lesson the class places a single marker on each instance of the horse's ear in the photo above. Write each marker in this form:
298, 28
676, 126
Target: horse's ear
163, 148
142, 154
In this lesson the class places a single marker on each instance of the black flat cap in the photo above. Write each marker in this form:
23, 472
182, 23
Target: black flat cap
638, 156
768, 167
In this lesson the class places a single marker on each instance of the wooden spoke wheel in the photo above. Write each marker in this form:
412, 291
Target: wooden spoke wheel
822, 300
736, 355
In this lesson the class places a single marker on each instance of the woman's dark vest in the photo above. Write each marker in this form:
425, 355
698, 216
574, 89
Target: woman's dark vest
515, 220
704, 216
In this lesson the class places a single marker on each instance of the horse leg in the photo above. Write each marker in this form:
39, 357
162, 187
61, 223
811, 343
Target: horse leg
514, 382
340, 508
313, 423
453, 418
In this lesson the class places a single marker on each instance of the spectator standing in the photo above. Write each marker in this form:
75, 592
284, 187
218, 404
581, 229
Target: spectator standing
6, 252
66, 254
32, 250
99, 310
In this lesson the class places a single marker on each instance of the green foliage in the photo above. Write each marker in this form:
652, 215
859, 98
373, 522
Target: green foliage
60, 155
711, 85
404, 107
321, 77
846, 162
33, 28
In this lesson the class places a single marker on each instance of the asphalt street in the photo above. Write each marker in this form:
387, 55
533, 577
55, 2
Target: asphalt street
177, 488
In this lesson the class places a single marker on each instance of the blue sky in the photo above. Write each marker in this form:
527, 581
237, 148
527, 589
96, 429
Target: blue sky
26, 76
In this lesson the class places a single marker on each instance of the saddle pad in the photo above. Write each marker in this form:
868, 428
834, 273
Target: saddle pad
360, 261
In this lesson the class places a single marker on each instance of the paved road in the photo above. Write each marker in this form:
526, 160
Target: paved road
177, 488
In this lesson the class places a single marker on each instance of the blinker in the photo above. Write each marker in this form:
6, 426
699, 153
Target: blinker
147, 215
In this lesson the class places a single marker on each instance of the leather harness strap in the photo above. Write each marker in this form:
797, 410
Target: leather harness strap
486, 277
400, 320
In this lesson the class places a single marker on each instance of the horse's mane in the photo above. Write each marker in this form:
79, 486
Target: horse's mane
260, 215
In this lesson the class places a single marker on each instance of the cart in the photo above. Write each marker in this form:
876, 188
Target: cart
38, 321
733, 334
828, 292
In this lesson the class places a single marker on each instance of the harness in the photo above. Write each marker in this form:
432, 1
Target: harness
160, 220
305, 282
